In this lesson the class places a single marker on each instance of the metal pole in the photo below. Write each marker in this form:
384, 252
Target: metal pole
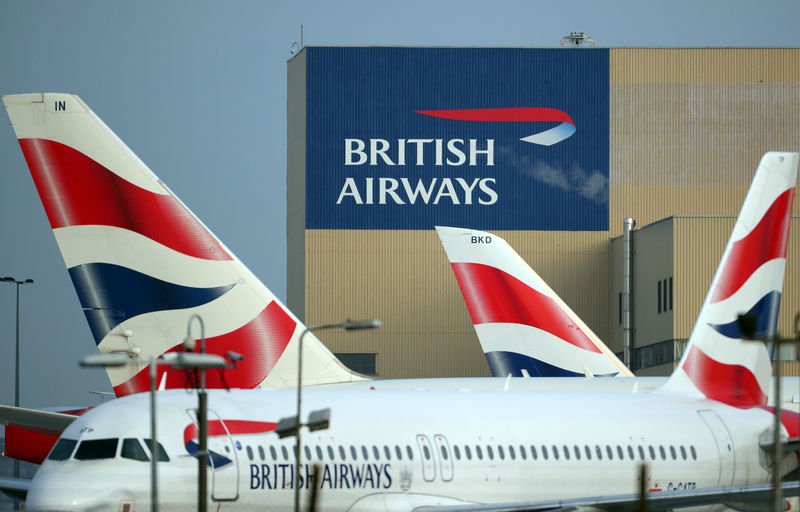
299, 400
627, 331
16, 386
776, 454
153, 449
202, 421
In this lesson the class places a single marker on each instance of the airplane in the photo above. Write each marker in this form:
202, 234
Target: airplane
100, 197
460, 450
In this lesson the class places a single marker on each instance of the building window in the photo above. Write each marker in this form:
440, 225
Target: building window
659, 297
665, 295
670, 294
363, 363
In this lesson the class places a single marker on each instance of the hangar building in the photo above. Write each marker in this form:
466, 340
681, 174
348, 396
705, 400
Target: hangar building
384, 143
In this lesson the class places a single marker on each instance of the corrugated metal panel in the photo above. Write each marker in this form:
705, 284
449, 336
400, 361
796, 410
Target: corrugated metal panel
699, 243
699, 65
688, 127
296, 184
405, 279
788, 369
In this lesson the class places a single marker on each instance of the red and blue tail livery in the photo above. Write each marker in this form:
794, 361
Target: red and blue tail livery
718, 363
523, 325
142, 263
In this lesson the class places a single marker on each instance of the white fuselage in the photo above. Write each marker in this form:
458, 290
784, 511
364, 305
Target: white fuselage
402, 449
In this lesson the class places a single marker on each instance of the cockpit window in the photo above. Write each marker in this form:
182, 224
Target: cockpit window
63, 449
92, 449
132, 449
162, 454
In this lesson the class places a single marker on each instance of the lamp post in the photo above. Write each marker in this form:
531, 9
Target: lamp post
19, 283
117, 359
347, 325
175, 360
747, 325
202, 419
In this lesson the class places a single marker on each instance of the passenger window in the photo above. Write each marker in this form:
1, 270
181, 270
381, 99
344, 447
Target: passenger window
285, 453
500, 452
93, 449
468, 452
566, 452
409, 452
330, 453
522, 452
456, 452
630, 452
353, 452
662, 452
511, 452
132, 449
308, 452
652, 452
620, 453
489, 452
398, 452
555, 452
577, 452
273, 453
544, 452
478, 452
249, 453
588, 453
364, 452
641, 453
609, 453
376, 452
444, 453
162, 454
387, 452
672, 452
319, 453
260, 452
341, 453
694, 453
63, 449
599, 452
426, 452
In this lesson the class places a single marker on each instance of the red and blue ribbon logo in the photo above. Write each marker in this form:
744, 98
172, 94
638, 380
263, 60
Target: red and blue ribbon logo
564, 130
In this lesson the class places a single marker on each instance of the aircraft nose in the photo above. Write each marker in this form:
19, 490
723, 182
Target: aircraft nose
67, 492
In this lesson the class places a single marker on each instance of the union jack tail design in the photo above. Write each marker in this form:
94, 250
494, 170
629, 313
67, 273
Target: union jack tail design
522, 324
719, 364
142, 263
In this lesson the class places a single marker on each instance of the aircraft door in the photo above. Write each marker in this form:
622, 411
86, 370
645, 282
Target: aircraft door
427, 457
722, 437
223, 462
445, 457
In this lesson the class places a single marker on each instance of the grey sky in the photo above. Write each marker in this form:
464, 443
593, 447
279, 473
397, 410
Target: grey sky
198, 90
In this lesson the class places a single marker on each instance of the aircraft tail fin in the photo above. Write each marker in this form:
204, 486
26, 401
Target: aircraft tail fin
142, 263
718, 362
522, 324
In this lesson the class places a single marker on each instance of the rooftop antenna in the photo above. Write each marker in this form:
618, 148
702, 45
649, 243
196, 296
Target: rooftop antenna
297, 47
577, 39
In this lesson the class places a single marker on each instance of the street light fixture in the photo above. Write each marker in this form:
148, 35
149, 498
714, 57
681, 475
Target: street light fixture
347, 325
179, 361
748, 327
9, 279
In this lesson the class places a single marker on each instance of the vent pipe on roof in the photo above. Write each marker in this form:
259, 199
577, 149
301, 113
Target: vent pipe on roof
627, 331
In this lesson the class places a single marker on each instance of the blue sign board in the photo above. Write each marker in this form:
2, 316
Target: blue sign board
485, 138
